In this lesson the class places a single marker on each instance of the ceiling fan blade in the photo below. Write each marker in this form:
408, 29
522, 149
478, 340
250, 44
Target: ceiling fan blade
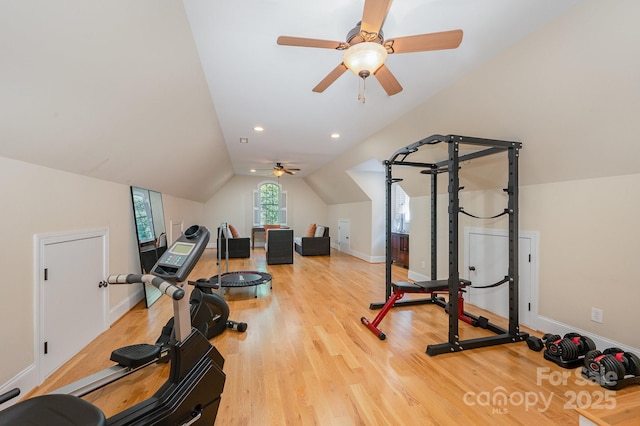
387, 80
311, 42
330, 78
374, 14
423, 42
289, 172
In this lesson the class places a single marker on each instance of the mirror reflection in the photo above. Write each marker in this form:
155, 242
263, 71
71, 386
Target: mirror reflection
151, 233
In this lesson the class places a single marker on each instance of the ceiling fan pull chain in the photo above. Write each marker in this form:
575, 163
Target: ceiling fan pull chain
364, 89
361, 93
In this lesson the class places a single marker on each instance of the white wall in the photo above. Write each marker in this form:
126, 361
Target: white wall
234, 204
359, 216
373, 184
37, 200
588, 249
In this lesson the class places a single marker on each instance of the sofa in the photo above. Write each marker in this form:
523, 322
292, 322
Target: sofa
316, 242
279, 246
239, 247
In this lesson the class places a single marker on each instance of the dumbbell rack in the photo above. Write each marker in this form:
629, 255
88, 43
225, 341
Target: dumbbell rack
617, 385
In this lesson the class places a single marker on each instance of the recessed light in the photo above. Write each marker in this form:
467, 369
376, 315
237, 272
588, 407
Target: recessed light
259, 129
335, 135
252, 170
244, 140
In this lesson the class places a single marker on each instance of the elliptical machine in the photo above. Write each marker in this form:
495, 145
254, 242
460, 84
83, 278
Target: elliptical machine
191, 395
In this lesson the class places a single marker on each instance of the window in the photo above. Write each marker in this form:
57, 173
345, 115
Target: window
400, 209
269, 204
142, 213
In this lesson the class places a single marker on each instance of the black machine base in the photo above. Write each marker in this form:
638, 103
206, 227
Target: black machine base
445, 348
193, 390
570, 364
610, 384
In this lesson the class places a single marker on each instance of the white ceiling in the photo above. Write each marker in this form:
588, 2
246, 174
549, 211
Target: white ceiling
115, 89
253, 81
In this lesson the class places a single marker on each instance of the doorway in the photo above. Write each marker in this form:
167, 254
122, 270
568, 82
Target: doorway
487, 262
343, 236
71, 299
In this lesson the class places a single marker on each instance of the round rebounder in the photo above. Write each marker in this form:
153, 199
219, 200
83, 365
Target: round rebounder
241, 279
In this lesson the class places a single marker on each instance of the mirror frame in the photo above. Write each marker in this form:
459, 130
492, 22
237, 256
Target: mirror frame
151, 237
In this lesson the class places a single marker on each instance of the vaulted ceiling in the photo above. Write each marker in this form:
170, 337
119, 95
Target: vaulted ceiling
158, 93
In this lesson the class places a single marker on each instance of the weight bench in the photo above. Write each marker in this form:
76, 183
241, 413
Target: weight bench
433, 288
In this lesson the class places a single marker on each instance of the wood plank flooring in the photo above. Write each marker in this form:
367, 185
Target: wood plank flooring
307, 360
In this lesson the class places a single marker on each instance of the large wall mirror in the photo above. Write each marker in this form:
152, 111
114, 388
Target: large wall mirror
150, 232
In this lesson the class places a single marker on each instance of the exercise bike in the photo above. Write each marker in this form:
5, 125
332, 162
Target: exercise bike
190, 396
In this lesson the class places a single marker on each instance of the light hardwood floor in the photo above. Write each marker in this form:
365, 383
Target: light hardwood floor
307, 360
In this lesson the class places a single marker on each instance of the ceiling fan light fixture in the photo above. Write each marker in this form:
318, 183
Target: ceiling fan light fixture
278, 172
364, 59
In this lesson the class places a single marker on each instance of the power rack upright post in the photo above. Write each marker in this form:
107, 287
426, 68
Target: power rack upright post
454, 283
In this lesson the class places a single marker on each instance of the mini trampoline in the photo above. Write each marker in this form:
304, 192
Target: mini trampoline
234, 279
241, 279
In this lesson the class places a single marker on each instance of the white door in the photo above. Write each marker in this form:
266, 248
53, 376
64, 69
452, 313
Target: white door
488, 262
343, 236
73, 307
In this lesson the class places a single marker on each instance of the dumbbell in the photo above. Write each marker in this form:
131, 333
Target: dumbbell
612, 364
570, 347
536, 343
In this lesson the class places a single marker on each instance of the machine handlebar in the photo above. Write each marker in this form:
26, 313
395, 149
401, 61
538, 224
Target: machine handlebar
171, 290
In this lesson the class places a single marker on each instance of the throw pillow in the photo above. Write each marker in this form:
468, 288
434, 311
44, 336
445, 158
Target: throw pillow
311, 231
319, 231
234, 231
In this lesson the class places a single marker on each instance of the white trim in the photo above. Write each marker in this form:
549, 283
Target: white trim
40, 242
26, 380
412, 275
282, 204
362, 256
126, 305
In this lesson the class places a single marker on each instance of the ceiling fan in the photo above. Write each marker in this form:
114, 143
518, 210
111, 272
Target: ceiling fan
365, 48
279, 170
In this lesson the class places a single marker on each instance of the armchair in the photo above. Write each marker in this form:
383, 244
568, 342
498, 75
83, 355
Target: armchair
317, 245
239, 247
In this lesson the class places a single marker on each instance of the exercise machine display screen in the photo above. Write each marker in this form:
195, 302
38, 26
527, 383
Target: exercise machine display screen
182, 248
177, 254
176, 263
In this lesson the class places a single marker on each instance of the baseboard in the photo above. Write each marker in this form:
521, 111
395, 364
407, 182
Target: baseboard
26, 381
417, 276
365, 257
126, 305
552, 326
